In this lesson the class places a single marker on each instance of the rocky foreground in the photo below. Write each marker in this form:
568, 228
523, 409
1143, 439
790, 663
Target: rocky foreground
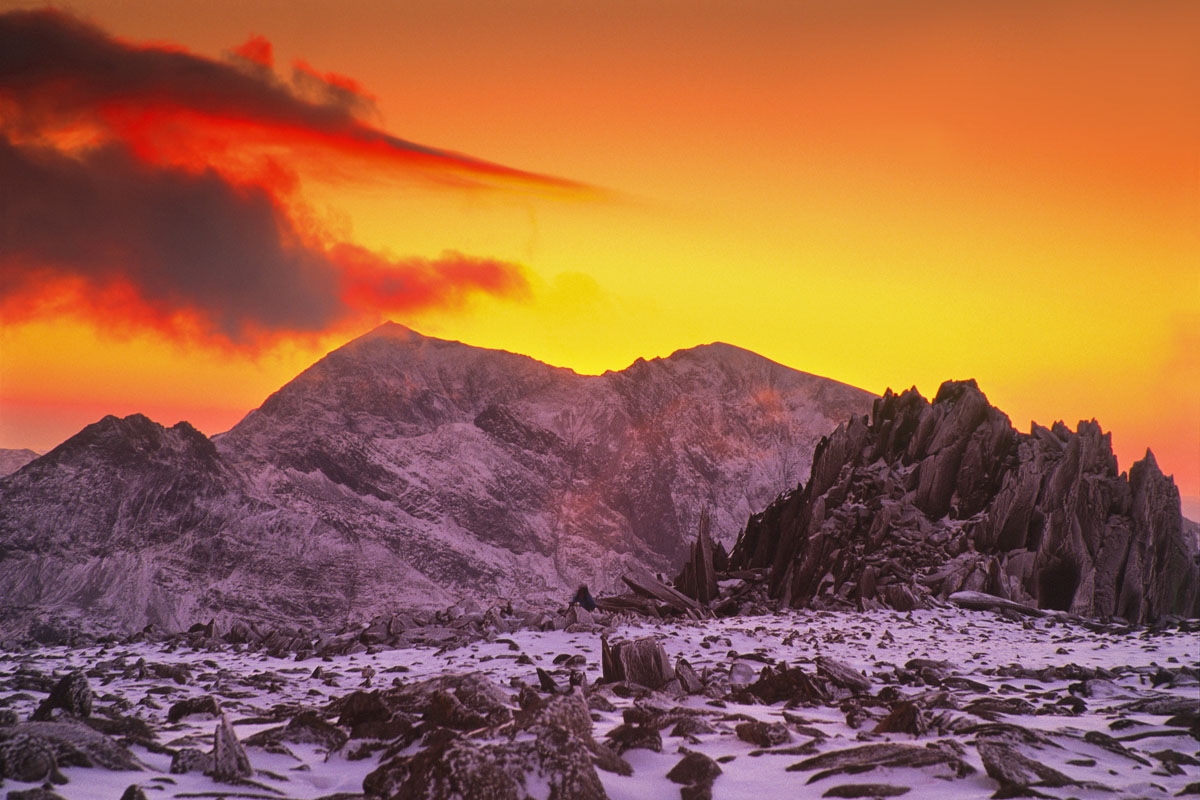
940, 702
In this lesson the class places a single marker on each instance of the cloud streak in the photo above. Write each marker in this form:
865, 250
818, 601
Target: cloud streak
58, 73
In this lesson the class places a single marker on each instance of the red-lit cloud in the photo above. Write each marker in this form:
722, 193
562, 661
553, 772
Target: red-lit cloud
63, 76
109, 235
257, 49
143, 186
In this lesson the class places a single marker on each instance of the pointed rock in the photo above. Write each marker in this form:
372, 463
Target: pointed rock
642, 661
699, 579
230, 762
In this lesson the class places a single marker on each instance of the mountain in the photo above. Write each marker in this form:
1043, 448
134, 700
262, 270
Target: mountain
925, 499
404, 470
13, 460
1191, 507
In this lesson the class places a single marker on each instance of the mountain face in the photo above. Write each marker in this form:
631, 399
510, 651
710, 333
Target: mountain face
927, 499
403, 470
13, 460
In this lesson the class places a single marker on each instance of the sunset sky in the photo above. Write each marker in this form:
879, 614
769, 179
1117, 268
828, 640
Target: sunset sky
199, 199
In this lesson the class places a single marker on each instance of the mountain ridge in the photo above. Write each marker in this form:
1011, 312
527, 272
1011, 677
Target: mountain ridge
402, 469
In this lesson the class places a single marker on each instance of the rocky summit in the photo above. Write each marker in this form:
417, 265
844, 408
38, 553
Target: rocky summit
928, 499
403, 471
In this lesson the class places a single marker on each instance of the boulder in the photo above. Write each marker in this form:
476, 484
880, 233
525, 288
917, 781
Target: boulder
694, 768
205, 704
77, 745
763, 734
1015, 771
558, 756
71, 695
307, 727
687, 676
792, 685
866, 790
28, 759
842, 674
641, 661
37, 793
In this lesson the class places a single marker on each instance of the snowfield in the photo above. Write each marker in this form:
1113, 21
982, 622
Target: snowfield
1021, 682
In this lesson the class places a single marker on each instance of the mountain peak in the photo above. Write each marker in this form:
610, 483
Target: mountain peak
403, 469
712, 353
714, 350
391, 330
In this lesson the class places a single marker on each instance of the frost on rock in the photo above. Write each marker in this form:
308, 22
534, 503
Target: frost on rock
929, 500
403, 471
942, 702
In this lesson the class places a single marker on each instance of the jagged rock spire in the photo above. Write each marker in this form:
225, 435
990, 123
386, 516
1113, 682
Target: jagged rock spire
926, 499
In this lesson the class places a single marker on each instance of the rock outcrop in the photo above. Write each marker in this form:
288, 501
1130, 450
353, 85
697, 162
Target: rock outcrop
925, 499
404, 471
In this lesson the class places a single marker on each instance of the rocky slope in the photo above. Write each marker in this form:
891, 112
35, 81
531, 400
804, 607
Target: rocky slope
402, 470
927, 499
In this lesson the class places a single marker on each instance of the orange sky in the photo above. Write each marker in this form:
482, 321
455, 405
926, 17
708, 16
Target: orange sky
884, 193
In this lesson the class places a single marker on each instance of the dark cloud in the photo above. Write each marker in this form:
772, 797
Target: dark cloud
131, 190
104, 223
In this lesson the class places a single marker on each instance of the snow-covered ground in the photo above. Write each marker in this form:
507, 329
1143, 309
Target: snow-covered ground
981, 647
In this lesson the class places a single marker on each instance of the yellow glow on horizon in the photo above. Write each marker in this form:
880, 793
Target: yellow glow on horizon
1009, 193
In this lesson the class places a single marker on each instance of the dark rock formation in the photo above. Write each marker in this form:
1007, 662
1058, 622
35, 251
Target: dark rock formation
1015, 771
76, 745
699, 579
854, 760
28, 758
866, 790
689, 679
791, 685
190, 759
229, 759
204, 704
694, 768
842, 674
36, 793
71, 695
307, 727
642, 661
696, 772
929, 499
763, 734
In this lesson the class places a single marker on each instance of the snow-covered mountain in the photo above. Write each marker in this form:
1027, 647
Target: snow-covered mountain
403, 470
